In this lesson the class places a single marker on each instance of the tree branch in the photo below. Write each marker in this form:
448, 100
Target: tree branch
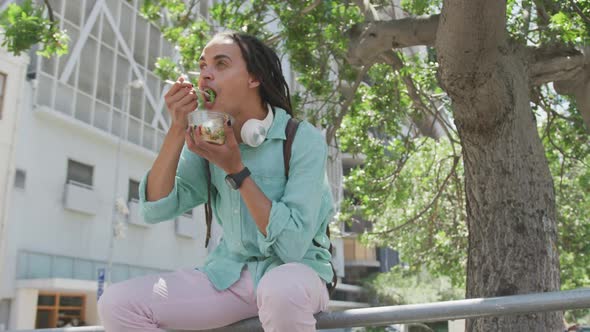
542, 14
434, 200
49, 11
550, 116
526, 19
369, 40
311, 7
570, 72
368, 10
393, 59
578, 10
331, 131
273, 39
558, 68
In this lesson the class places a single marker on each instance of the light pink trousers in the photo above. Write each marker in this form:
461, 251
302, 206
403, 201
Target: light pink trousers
286, 299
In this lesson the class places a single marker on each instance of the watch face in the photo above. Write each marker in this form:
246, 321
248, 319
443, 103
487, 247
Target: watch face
230, 182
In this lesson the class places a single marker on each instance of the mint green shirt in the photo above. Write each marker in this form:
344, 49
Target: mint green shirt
302, 206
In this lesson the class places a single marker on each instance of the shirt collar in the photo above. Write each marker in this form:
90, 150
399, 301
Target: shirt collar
279, 123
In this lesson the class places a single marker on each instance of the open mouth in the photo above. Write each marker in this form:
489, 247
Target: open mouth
210, 97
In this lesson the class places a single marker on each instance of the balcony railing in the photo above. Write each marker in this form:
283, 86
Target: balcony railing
38, 265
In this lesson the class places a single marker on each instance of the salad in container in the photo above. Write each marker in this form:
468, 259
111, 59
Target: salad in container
212, 125
211, 122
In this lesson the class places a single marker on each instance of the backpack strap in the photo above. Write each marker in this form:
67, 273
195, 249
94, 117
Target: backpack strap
208, 209
290, 131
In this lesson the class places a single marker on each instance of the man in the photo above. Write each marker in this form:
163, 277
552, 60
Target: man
273, 260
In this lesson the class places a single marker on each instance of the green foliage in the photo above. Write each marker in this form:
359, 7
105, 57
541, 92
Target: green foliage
566, 140
312, 41
421, 7
24, 26
404, 287
568, 152
549, 22
167, 69
421, 210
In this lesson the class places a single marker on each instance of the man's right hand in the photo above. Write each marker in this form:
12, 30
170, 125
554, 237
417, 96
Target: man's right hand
181, 99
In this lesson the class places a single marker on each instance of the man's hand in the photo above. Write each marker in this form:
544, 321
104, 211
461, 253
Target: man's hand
226, 156
181, 99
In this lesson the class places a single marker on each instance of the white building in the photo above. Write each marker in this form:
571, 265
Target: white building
12, 83
59, 131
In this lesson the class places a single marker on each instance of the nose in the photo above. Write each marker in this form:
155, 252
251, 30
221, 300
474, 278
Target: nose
206, 74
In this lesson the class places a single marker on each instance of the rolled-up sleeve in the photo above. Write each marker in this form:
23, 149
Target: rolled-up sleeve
298, 215
190, 190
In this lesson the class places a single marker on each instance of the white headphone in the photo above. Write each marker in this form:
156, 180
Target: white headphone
254, 131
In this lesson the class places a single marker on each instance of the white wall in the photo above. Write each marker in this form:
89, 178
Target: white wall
457, 325
38, 221
24, 307
15, 70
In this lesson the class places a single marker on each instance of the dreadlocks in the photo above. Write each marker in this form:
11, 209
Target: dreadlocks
264, 64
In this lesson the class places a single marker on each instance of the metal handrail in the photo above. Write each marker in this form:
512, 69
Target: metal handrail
439, 311
418, 313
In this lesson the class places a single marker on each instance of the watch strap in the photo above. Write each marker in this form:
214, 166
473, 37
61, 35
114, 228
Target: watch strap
239, 177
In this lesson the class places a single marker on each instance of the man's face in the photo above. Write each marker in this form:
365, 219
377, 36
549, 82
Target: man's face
223, 70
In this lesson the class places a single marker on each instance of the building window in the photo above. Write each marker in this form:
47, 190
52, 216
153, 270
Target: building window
58, 310
133, 194
91, 86
79, 173
20, 178
2, 92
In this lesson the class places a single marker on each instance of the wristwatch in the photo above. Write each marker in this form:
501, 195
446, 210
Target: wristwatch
234, 181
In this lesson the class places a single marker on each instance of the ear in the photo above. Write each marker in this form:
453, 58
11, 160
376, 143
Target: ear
253, 82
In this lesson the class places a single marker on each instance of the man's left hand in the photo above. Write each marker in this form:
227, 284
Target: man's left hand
226, 156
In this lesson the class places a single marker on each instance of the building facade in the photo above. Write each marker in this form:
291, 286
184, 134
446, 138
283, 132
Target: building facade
12, 87
79, 132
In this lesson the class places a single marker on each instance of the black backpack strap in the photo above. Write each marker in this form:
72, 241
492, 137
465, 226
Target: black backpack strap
290, 131
208, 209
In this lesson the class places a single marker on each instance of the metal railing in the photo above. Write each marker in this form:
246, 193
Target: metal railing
419, 313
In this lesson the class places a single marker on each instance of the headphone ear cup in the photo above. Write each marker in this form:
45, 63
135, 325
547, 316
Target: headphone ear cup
253, 132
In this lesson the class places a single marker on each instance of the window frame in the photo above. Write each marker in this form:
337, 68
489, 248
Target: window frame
130, 192
55, 309
69, 180
24, 178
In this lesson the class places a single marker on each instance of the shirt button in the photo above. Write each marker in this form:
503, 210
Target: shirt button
236, 211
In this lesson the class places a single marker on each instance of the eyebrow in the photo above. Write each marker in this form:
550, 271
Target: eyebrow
217, 57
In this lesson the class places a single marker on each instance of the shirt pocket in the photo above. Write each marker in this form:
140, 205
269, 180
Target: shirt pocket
273, 187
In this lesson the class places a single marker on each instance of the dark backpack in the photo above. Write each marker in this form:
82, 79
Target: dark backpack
290, 131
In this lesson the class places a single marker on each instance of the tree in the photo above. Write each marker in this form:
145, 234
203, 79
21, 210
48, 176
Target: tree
479, 203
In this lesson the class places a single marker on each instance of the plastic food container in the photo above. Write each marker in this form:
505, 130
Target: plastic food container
212, 125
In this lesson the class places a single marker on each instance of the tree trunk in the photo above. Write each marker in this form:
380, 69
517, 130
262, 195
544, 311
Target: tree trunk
509, 189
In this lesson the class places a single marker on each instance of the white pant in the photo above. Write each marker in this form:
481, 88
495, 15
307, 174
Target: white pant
286, 299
